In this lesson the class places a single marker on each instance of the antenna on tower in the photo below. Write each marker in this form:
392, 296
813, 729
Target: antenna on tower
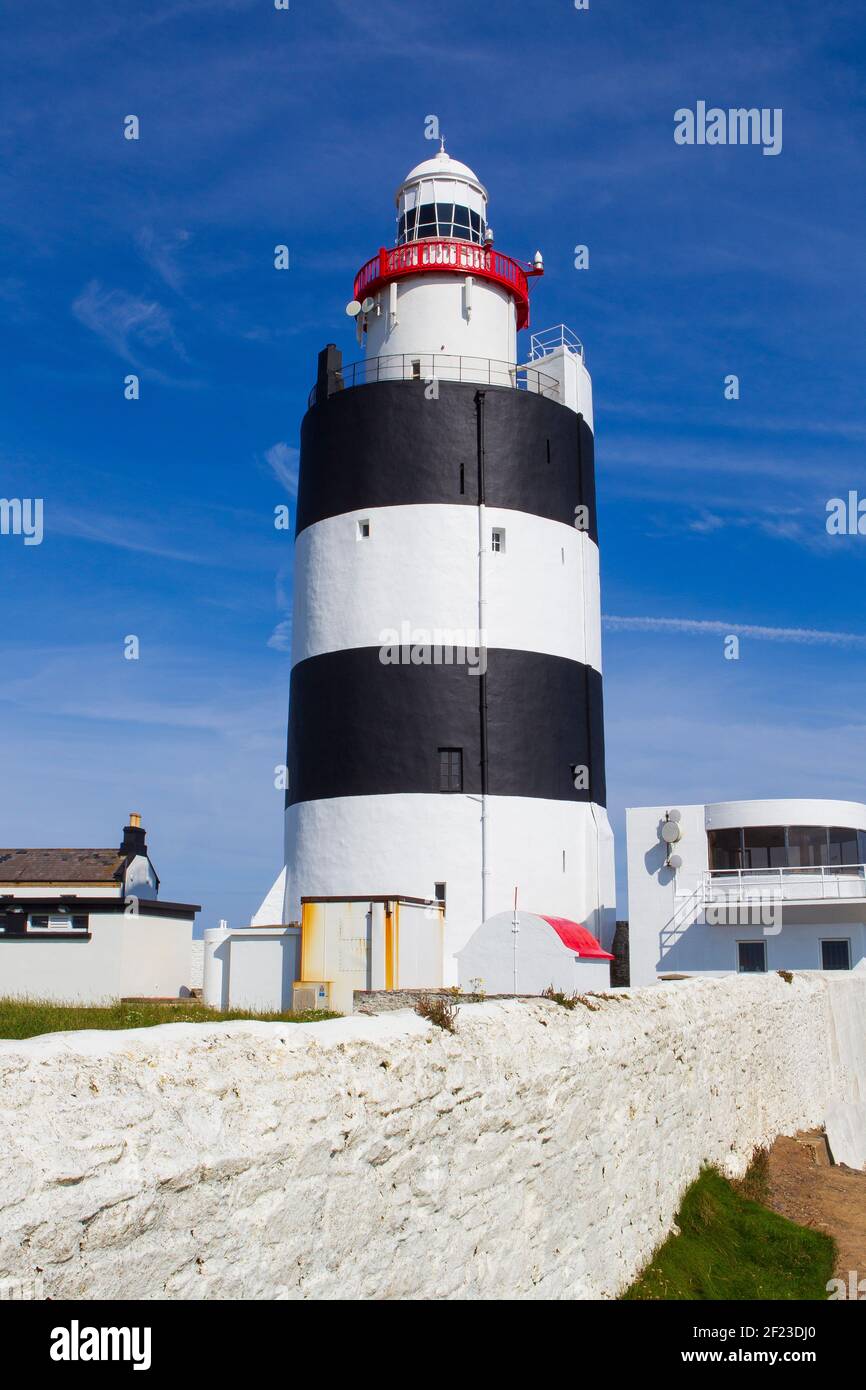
441, 144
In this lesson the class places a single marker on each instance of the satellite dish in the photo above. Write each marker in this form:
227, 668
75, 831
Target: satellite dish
368, 305
353, 308
670, 832
675, 815
675, 862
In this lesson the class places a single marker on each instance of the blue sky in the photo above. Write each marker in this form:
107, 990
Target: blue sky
261, 127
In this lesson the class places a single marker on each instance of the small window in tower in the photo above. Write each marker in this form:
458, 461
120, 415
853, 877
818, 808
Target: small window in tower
497, 540
439, 893
364, 530
416, 368
450, 769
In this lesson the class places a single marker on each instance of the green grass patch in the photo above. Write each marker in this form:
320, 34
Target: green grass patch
25, 1018
730, 1247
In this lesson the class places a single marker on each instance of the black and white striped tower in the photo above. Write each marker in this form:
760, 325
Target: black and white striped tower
445, 724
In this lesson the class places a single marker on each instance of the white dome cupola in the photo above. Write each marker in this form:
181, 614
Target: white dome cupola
441, 198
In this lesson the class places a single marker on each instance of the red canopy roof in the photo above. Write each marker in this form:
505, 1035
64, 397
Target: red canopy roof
577, 939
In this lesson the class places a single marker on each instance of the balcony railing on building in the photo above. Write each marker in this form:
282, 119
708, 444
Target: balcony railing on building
802, 884
430, 367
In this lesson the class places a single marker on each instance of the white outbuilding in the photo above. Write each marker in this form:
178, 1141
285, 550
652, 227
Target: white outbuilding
526, 953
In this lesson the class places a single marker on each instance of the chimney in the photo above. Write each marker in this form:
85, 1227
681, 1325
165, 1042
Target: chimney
134, 837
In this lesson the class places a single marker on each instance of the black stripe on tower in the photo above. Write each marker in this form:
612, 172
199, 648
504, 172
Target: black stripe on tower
361, 728
386, 445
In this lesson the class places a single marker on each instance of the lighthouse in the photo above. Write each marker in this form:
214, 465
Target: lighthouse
445, 737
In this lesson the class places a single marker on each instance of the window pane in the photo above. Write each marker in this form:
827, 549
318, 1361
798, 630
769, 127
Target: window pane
444, 217
427, 220
764, 846
724, 849
844, 848
752, 957
835, 955
807, 845
475, 220
461, 218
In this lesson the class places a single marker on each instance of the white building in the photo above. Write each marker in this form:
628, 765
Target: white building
746, 886
525, 953
87, 926
445, 726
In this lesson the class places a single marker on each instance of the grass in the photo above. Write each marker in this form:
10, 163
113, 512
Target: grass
730, 1247
25, 1018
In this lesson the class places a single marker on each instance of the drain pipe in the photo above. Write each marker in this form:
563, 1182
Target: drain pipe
482, 650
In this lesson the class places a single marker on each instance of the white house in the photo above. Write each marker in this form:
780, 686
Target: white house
524, 953
87, 925
746, 886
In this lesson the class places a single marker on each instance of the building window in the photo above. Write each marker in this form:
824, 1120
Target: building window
416, 368
844, 846
725, 849
758, 847
807, 846
752, 957
497, 540
439, 893
363, 530
836, 955
450, 769
56, 921
764, 847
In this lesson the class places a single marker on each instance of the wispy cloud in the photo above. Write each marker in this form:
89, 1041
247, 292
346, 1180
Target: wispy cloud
281, 637
126, 322
700, 627
160, 252
283, 461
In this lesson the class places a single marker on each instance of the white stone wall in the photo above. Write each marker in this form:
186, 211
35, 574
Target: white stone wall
537, 1153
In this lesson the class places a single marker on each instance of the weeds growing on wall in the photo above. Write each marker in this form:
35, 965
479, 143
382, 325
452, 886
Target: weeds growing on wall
442, 1012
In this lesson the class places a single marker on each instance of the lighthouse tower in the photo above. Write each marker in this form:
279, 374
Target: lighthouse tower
445, 722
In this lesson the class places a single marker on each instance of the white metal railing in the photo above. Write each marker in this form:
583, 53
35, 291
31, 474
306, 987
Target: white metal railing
808, 882
439, 366
552, 338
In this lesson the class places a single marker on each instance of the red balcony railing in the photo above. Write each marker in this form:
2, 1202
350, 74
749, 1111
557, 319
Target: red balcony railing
450, 256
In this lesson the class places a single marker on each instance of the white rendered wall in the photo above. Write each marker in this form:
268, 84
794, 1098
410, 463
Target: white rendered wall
536, 1153
251, 968
420, 566
354, 844
574, 381
126, 955
667, 936
270, 910
432, 317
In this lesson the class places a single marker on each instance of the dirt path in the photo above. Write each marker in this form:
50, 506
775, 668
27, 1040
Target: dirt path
805, 1187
